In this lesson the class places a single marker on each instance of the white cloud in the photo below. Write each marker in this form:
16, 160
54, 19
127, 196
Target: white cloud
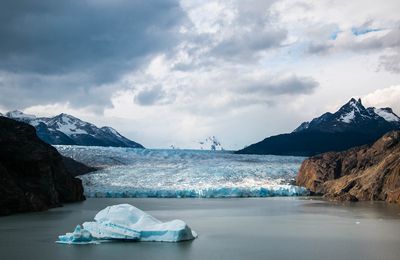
240, 70
385, 97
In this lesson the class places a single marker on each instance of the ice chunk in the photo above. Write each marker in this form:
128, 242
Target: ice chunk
79, 236
127, 222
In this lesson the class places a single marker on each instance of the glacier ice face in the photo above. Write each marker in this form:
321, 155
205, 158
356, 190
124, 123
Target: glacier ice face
126, 222
185, 173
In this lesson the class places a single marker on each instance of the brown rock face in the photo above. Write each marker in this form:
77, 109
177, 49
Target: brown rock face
32, 173
361, 173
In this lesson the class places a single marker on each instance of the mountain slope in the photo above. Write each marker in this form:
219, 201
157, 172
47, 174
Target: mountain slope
68, 130
361, 173
353, 117
352, 125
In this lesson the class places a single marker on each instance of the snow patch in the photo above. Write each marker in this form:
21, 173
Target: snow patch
16, 114
347, 118
69, 126
390, 117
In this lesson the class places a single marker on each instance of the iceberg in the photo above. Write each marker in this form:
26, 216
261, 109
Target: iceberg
126, 222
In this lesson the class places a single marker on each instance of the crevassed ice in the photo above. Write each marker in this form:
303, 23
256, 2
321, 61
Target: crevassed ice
133, 172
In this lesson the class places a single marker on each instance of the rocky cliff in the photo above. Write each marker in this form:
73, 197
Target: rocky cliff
361, 173
33, 176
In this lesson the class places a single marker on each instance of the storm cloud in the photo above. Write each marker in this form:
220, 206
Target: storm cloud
58, 51
170, 71
284, 85
150, 96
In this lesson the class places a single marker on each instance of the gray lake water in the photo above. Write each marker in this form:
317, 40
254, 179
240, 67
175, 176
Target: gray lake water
237, 228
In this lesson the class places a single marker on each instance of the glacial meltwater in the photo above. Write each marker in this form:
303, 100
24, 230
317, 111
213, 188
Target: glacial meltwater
129, 172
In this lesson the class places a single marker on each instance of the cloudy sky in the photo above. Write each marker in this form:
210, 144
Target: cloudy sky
174, 72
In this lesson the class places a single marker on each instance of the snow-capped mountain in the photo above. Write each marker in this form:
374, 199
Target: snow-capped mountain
211, 143
353, 116
352, 125
68, 130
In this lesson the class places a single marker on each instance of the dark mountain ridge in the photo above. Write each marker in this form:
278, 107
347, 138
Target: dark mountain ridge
352, 125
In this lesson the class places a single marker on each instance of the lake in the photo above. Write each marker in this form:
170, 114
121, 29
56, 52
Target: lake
235, 228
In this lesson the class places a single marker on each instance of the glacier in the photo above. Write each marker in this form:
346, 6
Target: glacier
126, 222
168, 173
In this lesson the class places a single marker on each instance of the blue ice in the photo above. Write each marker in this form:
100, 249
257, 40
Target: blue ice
126, 222
129, 172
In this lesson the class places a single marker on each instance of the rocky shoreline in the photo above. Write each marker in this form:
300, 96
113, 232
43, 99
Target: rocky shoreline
358, 174
33, 176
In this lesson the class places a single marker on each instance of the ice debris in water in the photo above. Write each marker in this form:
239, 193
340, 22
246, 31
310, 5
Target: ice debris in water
126, 222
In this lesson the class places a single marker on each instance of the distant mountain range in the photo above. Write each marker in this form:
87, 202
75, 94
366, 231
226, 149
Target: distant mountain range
65, 129
211, 143
352, 125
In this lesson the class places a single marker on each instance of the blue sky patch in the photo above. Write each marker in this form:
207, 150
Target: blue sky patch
334, 35
357, 31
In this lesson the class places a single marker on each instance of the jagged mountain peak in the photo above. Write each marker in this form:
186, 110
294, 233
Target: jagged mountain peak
352, 105
63, 117
355, 102
352, 116
351, 125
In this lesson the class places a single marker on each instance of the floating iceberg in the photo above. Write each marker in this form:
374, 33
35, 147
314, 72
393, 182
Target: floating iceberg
126, 222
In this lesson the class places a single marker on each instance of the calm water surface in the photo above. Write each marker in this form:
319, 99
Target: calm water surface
245, 228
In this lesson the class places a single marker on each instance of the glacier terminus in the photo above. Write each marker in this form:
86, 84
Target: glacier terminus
130, 173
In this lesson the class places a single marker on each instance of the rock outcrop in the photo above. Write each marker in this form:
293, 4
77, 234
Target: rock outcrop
33, 176
361, 173
76, 168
